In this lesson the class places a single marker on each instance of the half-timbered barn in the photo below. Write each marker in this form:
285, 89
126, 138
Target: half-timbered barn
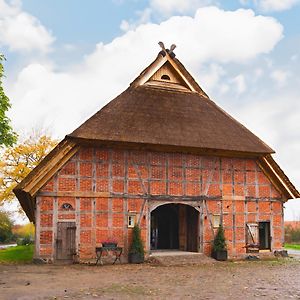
162, 154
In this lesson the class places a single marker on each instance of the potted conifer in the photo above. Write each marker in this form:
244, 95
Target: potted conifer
136, 251
219, 249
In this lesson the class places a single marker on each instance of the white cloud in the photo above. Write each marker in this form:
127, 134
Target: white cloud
240, 83
20, 31
276, 5
280, 77
169, 7
272, 5
62, 100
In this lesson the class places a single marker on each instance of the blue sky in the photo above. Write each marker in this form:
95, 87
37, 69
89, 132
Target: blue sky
76, 56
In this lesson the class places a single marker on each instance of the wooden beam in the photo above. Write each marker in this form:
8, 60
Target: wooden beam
76, 194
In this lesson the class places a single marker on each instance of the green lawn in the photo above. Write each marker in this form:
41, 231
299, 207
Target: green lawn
17, 254
292, 246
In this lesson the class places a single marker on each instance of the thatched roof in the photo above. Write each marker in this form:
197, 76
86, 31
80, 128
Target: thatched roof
159, 116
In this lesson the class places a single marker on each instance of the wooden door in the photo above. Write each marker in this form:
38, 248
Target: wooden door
192, 229
65, 242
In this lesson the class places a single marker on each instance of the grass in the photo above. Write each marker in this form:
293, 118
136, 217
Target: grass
18, 254
292, 246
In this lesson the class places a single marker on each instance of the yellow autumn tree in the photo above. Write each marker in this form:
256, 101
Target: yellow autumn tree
16, 162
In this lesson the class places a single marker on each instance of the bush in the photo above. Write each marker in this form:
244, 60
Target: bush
6, 225
291, 235
27, 240
137, 246
219, 243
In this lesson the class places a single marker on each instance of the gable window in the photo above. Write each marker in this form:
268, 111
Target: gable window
165, 77
67, 206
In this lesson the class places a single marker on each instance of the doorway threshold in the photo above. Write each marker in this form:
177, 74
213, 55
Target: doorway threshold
172, 252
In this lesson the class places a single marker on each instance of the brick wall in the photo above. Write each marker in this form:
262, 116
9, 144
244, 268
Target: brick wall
235, 188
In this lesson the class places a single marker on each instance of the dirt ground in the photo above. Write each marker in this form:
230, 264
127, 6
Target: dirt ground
221, 280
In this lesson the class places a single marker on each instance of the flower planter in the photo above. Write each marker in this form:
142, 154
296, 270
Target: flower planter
109, 245
135, 258
220, 255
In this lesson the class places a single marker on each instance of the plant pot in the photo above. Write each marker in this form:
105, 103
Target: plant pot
135, 258
219, 255
109, 245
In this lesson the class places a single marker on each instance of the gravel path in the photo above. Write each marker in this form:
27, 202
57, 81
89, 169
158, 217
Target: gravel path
222, 280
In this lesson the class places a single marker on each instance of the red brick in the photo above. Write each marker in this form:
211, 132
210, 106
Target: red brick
85, 204
264, 207
277, 220
102, 154
158, 187
277, 207
48, 187
102, 204
117, 205
227, 189
70, 216
158, 172
85, 236
101, 235
46, 220
251, 190
86, 154
117, 156
239, 206
157, 158
102, 220
118, 170
175, 159
262, 178
175, 173
85, 220
135, 187
46, 237
86, 169
193, 189
227, 177
175, 188
46, 203
193, 174
68, 169
193, 160
251, 165
250, 177
239, 190
86, 185
102, 170
102, 185
227, 220
118, 220
264, 191
118, 186
66, 184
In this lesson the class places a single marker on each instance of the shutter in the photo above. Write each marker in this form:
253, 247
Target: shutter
252, 235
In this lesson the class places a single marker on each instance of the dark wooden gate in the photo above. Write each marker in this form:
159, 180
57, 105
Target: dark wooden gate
192, 217
65, 242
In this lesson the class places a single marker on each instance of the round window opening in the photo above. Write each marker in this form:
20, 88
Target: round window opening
165, 77
67, 206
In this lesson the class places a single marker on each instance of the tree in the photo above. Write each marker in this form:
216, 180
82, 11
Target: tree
19, 160
6, 225
7, 136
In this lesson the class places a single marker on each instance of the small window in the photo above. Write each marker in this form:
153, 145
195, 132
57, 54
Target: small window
131, 220
216, 221
67, 206
165, 77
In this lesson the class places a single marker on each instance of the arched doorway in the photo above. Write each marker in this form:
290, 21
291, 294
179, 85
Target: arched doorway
175, 226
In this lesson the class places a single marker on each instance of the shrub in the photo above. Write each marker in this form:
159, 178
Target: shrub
137, 246
219, 243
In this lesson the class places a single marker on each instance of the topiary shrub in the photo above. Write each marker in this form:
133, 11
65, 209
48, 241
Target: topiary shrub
219, 249
136, 251
219, 243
